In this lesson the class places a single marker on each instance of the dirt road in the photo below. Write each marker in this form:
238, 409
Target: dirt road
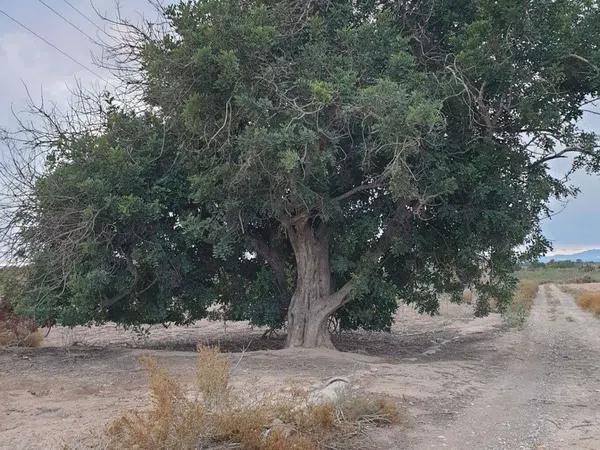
466, 383
549, 394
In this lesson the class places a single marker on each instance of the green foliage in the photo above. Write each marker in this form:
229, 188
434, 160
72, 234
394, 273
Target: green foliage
562, 264
415, 143
373, 305
11, 285
114, 248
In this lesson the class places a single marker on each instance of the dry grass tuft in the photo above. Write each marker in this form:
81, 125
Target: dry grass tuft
589, 301
468, 296
33, 339
212, 415
212, 376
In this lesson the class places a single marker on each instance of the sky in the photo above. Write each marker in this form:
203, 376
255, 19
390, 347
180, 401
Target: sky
27, 61
575, 225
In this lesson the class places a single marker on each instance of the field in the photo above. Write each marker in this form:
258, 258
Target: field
567, 273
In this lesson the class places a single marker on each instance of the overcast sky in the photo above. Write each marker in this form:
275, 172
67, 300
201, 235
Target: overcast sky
27, 61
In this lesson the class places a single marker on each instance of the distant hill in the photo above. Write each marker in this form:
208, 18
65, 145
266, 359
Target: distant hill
586, 256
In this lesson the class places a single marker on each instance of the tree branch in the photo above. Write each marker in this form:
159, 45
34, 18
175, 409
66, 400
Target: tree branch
584, 60
341, 296
274, 259
356, 190
562, 154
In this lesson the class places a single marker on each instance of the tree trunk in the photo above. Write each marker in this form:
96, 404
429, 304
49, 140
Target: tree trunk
312, 302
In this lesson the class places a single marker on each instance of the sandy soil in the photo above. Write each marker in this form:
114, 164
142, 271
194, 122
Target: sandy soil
466, 383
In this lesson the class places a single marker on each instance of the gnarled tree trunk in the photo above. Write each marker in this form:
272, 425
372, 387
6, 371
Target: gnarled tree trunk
312, 302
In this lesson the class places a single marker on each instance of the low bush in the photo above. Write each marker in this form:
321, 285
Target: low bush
212, 415
16, 330
516, 313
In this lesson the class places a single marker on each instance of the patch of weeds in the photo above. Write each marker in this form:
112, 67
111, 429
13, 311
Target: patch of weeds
517, 312
18, 331
589, 301
213, 415
28, 339
581, 280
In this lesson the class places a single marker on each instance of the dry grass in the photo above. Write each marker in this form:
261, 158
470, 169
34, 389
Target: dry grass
526, 292
14, 329
468, 296
14, 333
589, 301
212, 375
212, 415
517, 312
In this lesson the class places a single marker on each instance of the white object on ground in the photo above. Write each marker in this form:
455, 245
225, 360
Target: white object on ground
333, 391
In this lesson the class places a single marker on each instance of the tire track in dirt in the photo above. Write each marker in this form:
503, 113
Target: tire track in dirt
548, 396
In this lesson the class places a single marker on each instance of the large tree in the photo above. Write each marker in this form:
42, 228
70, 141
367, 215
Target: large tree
317, 159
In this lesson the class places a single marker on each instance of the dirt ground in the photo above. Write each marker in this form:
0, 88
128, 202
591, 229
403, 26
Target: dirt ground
466, 383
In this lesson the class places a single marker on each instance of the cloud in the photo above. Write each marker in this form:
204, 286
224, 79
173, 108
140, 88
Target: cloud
571, 249
29, 64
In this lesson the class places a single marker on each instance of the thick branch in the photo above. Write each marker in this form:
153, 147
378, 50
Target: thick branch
274, 258
562, 154
341, 296
356, 190
584, 60
400, 220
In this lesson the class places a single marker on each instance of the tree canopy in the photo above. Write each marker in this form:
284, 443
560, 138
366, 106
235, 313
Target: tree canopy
294, 162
